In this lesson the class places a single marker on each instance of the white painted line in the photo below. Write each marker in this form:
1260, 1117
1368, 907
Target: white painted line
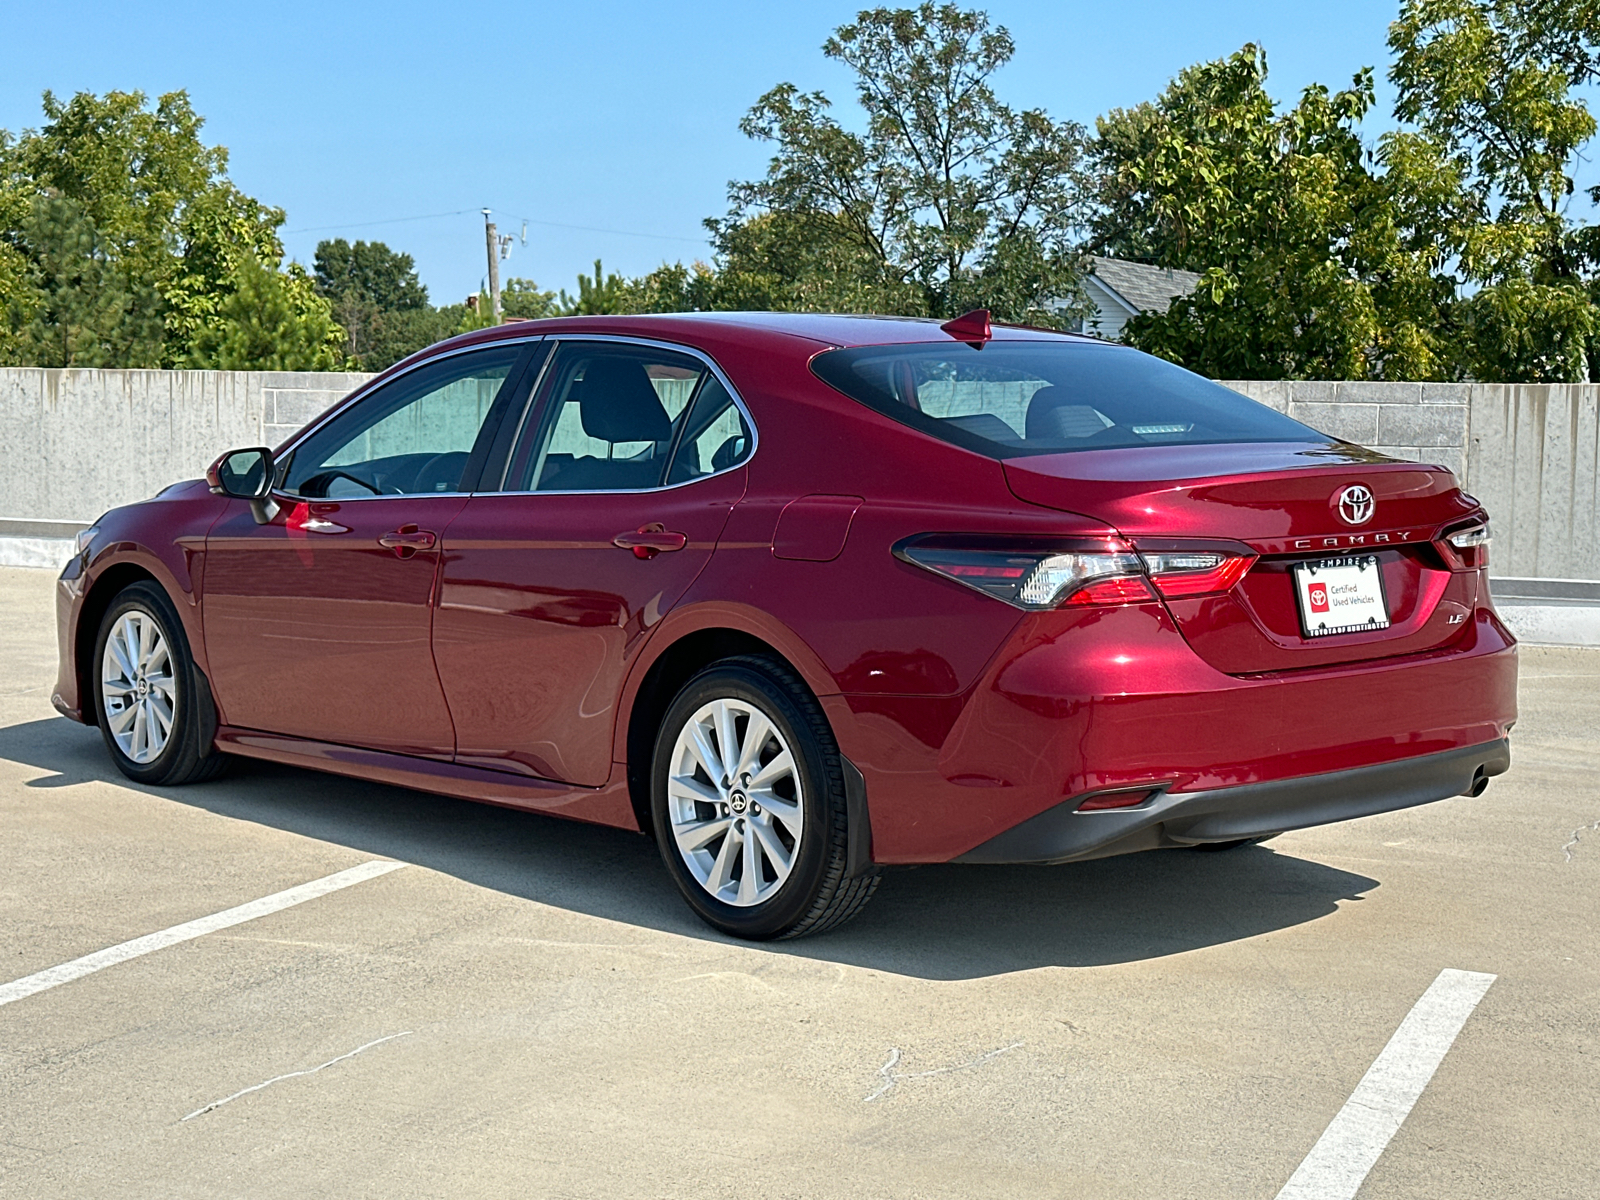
200, 1112
51, 977
1351, 1144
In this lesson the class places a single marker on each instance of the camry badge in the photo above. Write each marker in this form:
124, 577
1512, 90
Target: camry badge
1355, 504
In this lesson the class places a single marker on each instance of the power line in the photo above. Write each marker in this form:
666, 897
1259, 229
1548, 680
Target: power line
369, 224
666, 237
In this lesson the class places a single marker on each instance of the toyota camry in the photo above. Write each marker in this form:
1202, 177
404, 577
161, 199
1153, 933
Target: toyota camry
802, 596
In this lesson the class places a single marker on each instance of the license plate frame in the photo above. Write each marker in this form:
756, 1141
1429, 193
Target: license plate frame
1368, 603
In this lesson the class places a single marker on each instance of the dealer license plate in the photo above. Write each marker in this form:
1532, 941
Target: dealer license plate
1340, 595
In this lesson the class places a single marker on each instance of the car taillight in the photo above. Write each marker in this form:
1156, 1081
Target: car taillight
1196, 573
1100, 573
1466, 549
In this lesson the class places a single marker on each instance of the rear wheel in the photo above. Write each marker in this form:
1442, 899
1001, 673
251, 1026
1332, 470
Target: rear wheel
748, 801
152, 704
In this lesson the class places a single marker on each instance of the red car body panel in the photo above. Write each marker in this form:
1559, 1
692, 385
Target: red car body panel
524, 639
164, 539
286, 605
1111, 698
534, 585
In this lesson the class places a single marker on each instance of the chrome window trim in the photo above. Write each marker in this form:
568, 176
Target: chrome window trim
372, 385
651, 344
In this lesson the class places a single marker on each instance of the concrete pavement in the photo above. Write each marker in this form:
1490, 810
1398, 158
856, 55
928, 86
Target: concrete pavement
537, 1014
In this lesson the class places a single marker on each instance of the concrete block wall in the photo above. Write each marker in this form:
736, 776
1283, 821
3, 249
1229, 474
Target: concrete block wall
74, 443
1423, 422
1532, 458
1530, 452
290, 399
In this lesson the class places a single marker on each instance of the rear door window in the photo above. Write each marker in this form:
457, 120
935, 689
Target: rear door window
611, 416
1009, 399
715, 435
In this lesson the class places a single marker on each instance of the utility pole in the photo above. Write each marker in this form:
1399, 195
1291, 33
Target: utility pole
491, 237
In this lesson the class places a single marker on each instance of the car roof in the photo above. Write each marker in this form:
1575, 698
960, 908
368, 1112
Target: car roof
817, 329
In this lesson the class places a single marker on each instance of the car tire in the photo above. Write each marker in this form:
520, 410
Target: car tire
755, 872
153, 705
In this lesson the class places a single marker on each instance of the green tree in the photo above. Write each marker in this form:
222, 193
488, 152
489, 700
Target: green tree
804, 261
1488, 86
1308, 267
170, 232
377, 300
220, 231
85, 308
271, 321
949, 199
672, 288
598, 295
370, 271
523, 298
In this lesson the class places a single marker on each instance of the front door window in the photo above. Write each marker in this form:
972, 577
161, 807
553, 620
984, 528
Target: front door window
412, 437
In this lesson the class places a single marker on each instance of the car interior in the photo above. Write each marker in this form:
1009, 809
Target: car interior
611, 429
614, 420
618, 405
1025, 399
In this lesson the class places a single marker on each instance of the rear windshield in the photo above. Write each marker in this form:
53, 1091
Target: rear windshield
1016, 398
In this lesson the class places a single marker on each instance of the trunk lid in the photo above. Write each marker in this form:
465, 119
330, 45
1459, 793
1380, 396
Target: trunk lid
1281, 502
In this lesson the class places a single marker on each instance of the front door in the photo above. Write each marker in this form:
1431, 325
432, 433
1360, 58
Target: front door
318, 623
613, 503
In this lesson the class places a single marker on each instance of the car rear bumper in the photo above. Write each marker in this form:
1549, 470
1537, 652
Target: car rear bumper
1063, 833
1109, 700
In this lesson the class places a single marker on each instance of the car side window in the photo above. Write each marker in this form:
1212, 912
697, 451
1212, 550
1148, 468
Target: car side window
409, 437
715, 435
609, 416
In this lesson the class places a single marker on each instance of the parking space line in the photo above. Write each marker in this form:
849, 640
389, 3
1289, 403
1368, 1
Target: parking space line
1348, 1148
40, 981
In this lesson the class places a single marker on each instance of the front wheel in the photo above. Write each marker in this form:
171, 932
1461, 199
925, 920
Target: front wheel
152, 703
748, 802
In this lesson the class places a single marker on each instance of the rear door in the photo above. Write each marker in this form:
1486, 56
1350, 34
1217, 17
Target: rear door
318, 623
618, 488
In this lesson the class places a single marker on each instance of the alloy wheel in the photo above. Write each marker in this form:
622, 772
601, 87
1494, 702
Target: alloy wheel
138, 691
735, 802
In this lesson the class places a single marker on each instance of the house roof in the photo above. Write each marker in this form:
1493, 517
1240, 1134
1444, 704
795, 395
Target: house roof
1142, 287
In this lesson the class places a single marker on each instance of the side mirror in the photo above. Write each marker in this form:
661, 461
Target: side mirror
246, 475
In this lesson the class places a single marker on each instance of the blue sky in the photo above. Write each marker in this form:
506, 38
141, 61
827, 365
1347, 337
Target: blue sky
617, 116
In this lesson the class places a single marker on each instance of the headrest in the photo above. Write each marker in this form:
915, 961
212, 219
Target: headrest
1052, 416
617, 403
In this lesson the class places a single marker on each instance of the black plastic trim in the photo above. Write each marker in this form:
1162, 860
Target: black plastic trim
859, 850
489, 452
1063, 834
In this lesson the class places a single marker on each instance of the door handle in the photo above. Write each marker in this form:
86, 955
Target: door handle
650, 540
407, 540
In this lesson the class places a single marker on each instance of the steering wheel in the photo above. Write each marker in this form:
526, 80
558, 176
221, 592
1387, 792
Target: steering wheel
424, 480
322, 479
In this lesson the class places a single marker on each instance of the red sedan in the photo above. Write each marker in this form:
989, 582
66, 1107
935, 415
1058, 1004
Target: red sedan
807, 595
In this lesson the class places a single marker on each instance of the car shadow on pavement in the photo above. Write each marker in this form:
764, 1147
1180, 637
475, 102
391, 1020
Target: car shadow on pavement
933, 922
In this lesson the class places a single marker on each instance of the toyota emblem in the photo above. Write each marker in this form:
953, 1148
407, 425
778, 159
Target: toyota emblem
1355, 504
